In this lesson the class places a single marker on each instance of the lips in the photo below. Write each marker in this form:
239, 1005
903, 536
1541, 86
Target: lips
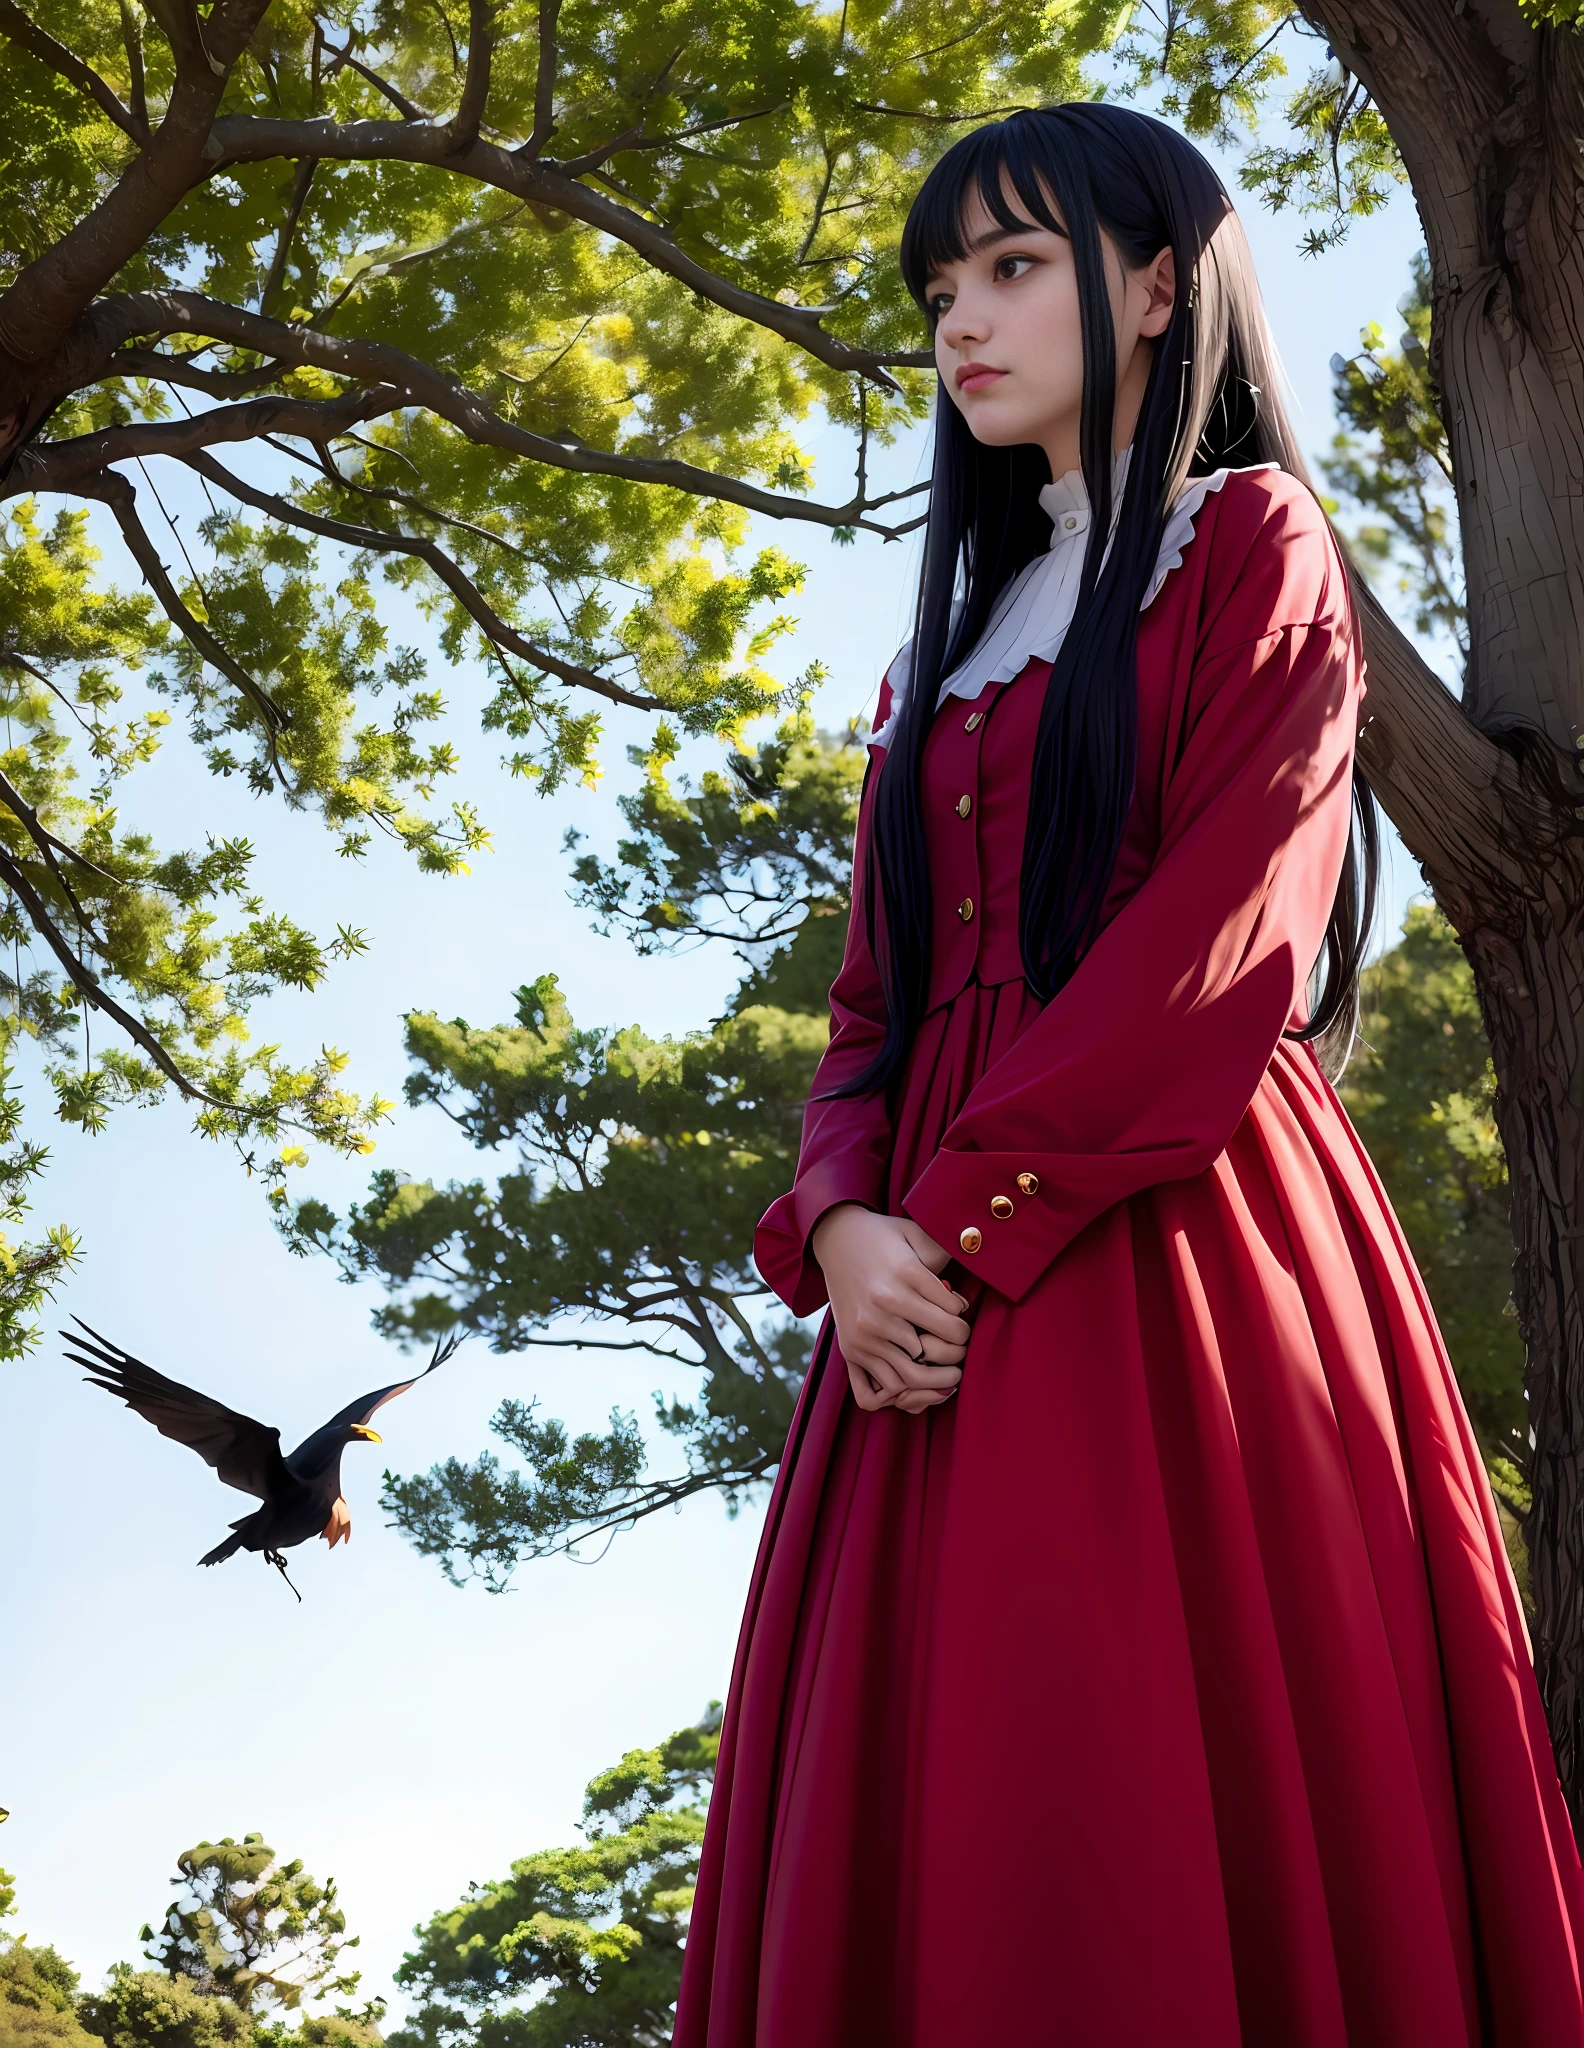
978, 377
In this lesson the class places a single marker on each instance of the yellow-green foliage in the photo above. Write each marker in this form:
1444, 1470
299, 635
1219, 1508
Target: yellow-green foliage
146, 2009
38, 1999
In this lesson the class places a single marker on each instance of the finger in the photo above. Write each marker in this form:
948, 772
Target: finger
880, 1363
920, 1402
867, 1391
920, 1375
887, 1334
934, 1316
936, 1351
901, 1369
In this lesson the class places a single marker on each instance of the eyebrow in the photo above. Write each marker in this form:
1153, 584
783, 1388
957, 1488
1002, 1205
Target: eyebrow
996, 234
1000, 234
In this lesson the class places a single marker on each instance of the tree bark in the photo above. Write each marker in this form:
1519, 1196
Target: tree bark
1487, 110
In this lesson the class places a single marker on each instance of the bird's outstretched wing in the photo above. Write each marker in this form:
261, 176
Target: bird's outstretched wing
245, 1453
362, 1410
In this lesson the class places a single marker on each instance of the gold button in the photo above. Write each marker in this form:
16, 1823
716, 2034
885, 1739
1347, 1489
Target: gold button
964, 806
1029, 1183
971, 1239
1001, 1207
974, 720
965, 909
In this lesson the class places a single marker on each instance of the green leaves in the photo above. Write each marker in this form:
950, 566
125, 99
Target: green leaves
251, 1928
578, 1947
1391, 458
1421, 1089
37, 1998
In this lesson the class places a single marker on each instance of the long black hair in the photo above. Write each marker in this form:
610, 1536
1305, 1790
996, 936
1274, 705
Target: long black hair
1211, 401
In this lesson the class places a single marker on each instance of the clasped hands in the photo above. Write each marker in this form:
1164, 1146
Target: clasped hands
900, 1326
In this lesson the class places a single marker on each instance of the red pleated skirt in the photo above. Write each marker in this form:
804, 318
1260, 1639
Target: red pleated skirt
1167, 1688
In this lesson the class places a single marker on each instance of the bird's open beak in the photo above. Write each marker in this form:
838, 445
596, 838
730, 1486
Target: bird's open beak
366, 1435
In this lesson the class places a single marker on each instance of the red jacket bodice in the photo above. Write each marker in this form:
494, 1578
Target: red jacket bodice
1249, 683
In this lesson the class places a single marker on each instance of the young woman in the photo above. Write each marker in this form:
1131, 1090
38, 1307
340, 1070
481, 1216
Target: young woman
1132, 1659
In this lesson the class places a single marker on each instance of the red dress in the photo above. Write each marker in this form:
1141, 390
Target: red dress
1167, 1688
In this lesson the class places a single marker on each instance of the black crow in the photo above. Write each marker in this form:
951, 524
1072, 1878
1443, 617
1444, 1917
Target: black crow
301, 1493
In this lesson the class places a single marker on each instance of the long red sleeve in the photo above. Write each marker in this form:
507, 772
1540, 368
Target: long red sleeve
1141, 1068
846, 1150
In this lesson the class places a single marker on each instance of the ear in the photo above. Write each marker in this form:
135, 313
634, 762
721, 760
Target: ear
1160, 280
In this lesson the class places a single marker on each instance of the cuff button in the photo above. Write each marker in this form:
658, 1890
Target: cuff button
1001, 1207
971, 1239
1029, 1183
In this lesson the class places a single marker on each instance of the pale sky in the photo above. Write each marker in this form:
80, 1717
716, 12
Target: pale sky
400, 1735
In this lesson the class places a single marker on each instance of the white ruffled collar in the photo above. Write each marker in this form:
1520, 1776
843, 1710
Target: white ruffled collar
1031, 615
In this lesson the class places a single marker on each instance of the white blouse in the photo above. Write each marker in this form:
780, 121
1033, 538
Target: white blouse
1029, 620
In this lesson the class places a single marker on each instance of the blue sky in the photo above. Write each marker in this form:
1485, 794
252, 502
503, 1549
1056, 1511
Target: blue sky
392, 1731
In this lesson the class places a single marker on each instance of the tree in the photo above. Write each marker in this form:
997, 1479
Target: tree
591, 1935
644, 1165
147, 2009
252, 1929
38, 1999
542, 388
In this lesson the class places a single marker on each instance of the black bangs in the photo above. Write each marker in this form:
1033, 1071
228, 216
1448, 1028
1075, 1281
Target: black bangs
990, 162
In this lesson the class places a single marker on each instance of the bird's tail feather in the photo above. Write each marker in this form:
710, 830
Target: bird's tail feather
222, 1551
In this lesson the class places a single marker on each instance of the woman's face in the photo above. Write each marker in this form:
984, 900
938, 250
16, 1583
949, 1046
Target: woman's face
1008, 343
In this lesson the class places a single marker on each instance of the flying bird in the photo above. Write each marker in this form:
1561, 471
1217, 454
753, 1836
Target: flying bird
301, 1492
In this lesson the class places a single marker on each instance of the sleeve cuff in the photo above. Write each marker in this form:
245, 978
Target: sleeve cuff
1006, 1216
781, 1242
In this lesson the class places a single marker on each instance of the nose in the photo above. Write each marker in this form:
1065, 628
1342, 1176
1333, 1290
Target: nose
964, 323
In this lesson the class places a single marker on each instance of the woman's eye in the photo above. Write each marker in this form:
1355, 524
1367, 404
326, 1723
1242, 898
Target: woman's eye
938, 305
1008, 267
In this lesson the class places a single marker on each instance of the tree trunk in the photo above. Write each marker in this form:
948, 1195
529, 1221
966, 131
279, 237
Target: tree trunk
1487, 110
1530, 975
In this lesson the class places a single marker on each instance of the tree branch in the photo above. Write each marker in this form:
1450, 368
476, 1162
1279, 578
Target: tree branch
1456, 798
132, 42
246, 139
288, 228
456, 580
49, 846
344, 59
38, 42
39, 308
168, 369
74, 464
398, 379
113, 490
87, 985
544, 84
476, 82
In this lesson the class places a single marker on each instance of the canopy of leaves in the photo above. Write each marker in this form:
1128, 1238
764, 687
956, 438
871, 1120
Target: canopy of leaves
581, 1947
38, 1999
145, 2009
250, 1928
643, 1166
